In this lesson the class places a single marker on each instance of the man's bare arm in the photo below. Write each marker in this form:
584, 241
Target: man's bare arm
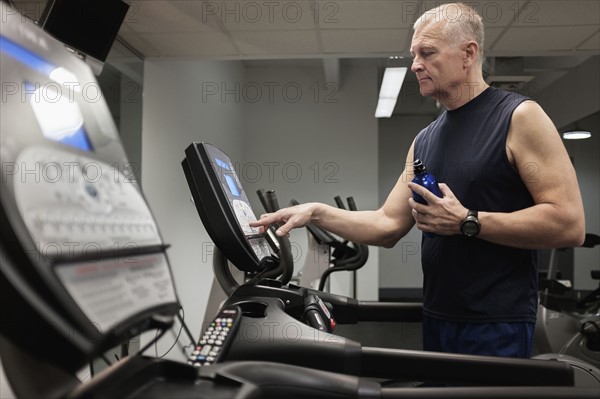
557, 218
381, 227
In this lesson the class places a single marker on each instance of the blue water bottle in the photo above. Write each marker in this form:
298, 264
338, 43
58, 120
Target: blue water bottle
425, 179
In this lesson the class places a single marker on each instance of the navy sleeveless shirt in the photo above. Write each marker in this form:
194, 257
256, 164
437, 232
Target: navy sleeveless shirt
470, 279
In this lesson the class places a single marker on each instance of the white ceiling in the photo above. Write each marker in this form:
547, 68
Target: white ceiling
233, 29
276, 29
237, 29
547, 37
284, 29
540, 39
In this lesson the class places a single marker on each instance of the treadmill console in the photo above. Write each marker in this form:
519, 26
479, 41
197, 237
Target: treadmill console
74, 205
77, 234
224, 207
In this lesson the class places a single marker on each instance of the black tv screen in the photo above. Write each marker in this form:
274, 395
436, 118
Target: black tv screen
88, 26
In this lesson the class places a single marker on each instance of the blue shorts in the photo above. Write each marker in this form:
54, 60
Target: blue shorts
489, 339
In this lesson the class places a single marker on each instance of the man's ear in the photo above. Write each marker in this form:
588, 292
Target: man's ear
471, 53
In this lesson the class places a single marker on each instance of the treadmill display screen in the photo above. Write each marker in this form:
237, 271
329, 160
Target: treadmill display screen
224, 207
60, 119
230, 181
53, 104
239, 202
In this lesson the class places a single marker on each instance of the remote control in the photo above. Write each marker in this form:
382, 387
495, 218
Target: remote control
215, 341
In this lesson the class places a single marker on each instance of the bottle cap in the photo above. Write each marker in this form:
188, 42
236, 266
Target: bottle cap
418, 166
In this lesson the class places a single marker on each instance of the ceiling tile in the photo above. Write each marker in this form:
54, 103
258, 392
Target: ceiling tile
559, 13
537, 39
376, 14
263, 15
593, 43
274, 43
141, 45
153, 16
494, 13
365, 41
202, 44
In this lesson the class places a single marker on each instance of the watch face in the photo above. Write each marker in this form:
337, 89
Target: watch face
470, 228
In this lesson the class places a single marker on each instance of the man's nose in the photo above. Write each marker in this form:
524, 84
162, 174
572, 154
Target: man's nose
417, 65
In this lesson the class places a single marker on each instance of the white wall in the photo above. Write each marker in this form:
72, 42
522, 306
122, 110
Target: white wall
586, 158
290, 131
575, 95
312, 140
317, 142
174, 116
576, 98
130, 121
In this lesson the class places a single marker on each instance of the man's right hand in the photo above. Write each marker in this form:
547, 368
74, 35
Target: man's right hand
287, 219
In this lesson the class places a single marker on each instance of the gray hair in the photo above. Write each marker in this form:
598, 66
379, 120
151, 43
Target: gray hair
462, 23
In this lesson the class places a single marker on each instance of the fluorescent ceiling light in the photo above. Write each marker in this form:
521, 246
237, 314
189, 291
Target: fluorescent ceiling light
577, 134
385, 107
390, 88
392, 82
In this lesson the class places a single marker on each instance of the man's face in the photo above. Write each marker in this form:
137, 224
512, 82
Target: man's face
438, 64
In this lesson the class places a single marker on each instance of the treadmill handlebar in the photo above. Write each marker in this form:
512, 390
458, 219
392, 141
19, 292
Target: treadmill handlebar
315, 320
263, 199
459, 368
390, 311
351, 204
349, 310
339, 202
502, 392
272, 201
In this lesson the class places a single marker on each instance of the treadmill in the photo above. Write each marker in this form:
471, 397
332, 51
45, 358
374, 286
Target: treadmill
290, 324
83, 267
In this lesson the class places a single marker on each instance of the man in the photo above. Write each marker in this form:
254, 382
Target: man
508, 188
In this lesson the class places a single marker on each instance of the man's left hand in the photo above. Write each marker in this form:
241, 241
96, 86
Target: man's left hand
442, 216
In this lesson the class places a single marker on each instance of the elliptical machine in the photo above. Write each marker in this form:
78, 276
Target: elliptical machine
329, 254
567, 327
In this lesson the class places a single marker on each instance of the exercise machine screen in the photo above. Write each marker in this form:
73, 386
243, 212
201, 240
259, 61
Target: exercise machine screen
224, 207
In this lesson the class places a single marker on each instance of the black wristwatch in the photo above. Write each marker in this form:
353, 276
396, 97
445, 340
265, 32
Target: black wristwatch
470, 226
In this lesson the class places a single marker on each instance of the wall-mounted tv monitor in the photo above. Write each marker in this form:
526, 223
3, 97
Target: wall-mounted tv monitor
88, 26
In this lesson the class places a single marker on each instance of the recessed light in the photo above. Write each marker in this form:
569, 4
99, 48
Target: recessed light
577, 135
